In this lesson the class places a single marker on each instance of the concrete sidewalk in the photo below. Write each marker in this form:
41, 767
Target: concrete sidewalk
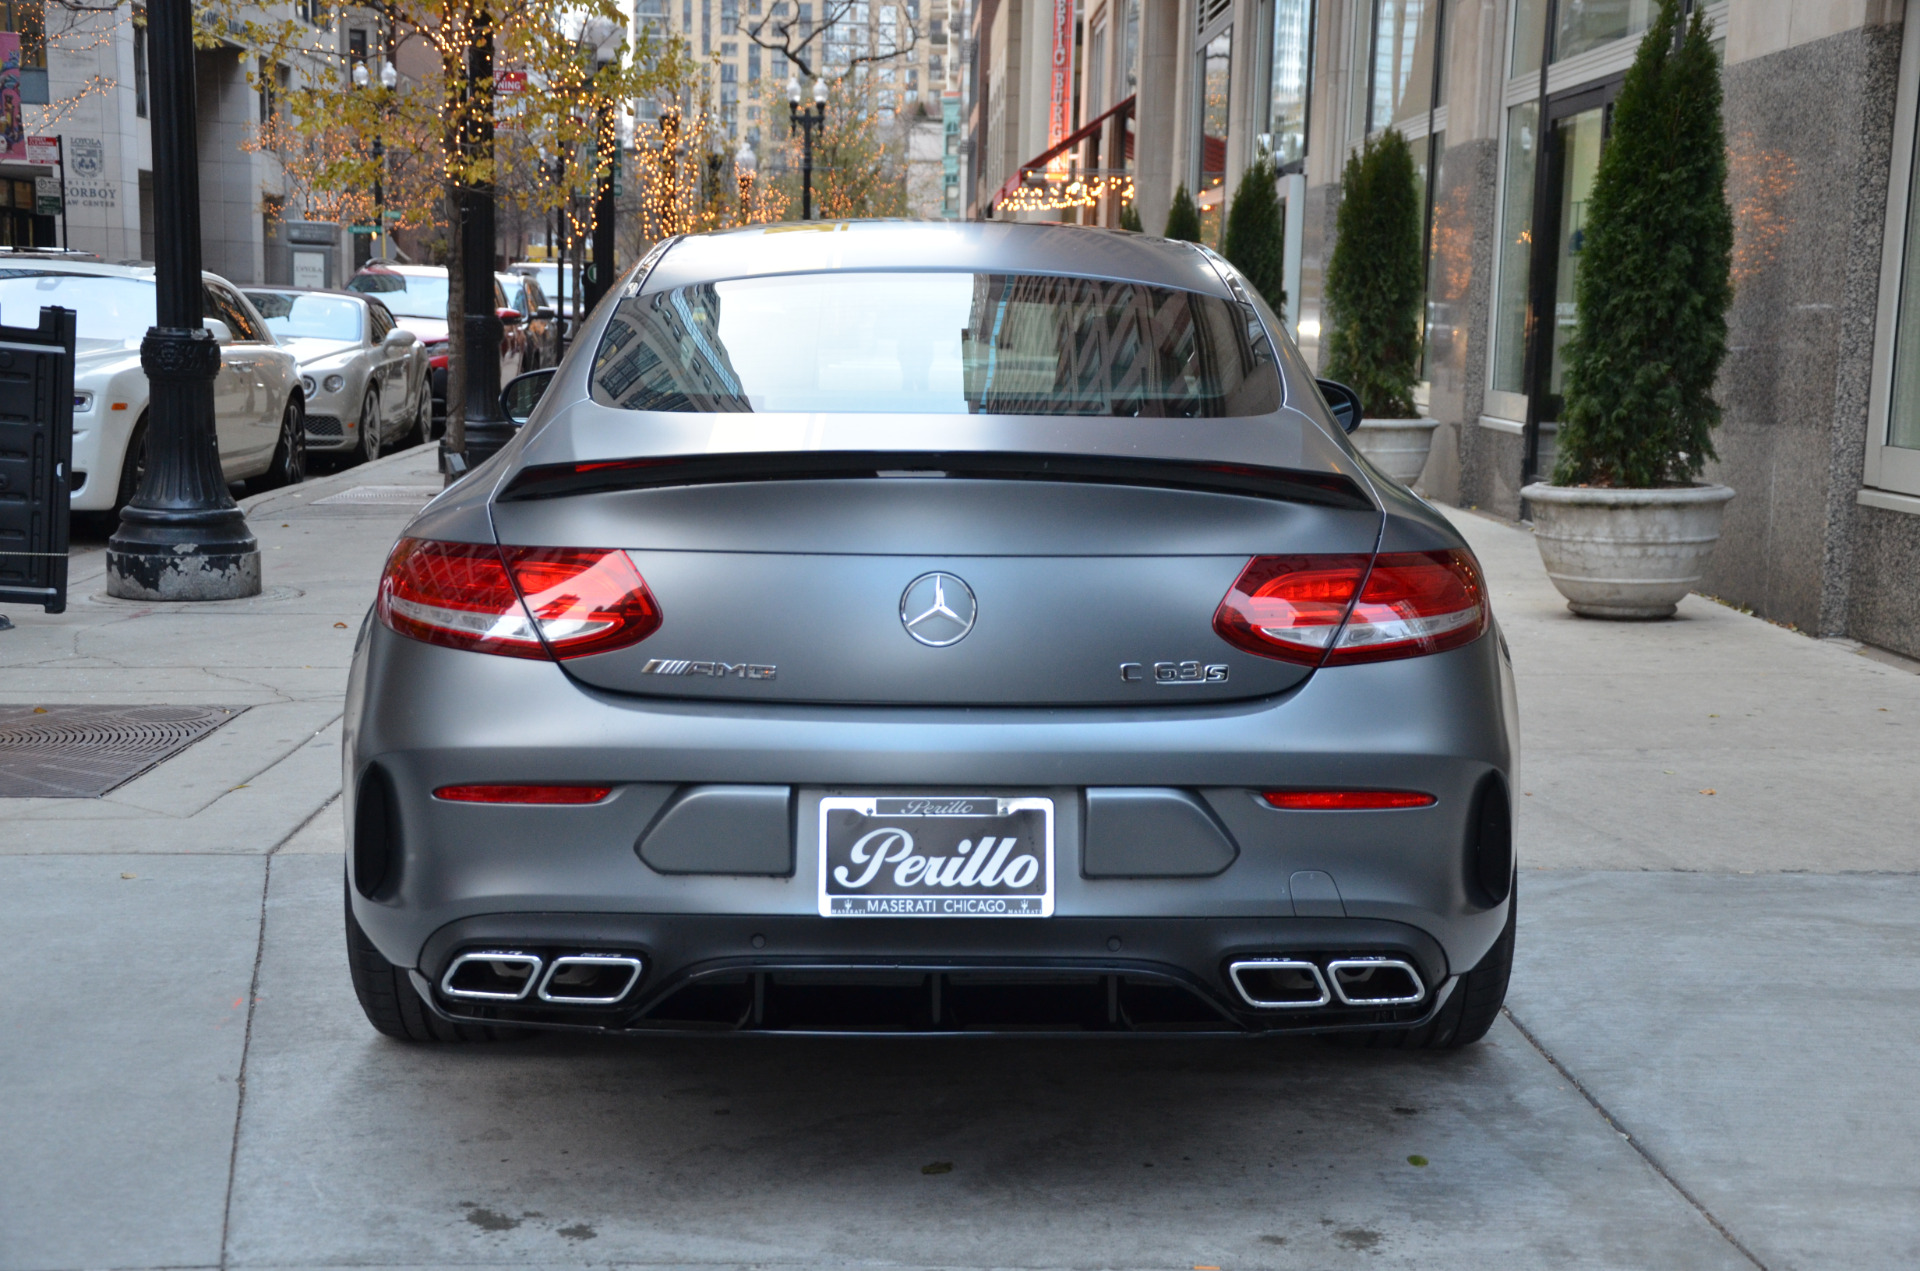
1705, 1065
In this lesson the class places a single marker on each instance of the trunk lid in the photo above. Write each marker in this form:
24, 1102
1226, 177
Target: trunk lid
1022, 592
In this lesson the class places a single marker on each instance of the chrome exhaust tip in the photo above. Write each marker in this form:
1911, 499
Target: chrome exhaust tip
1272, 984
1376, 982
590, 979
491, 977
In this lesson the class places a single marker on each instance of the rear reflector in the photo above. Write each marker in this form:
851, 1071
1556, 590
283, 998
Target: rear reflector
1302, 609
1346, 800
524, 602
523, 794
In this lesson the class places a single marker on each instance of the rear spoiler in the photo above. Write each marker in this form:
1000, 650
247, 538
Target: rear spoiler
601, 476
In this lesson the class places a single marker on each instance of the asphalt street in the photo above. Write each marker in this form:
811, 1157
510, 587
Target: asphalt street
1706, 1062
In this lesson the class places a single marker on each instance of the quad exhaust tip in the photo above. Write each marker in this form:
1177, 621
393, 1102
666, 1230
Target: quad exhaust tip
1270, 984
1274, 984
491, 976
580, 979
590, 979
1376, 982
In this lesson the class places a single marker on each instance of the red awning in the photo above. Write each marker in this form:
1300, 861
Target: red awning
1041, 160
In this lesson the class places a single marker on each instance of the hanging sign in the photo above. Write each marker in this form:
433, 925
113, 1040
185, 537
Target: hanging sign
1060, 98
43, 150
513, 81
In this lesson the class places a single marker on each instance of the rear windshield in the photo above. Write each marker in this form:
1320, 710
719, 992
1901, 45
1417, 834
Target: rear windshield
937, 343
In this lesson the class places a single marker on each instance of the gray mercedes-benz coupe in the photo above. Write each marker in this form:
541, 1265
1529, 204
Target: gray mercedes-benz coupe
931, 628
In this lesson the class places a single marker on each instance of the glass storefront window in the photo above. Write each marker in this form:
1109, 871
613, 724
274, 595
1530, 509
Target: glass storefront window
1903, 419
1216, 83
1405, 49
1130, 54
1437, 321
1587, 24
1529, 29
1515, 248
1291, 80
1581, 136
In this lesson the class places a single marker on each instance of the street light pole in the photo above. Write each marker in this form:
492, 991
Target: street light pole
606, 38
181, 537
806, 121
487, 429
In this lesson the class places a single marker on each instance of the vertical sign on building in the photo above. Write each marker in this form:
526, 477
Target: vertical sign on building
1060, 102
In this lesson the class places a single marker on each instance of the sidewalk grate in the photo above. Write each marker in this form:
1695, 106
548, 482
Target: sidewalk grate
82, 752
414, 495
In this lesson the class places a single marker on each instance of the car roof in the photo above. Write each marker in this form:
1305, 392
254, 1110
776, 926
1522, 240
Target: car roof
308, 291
102, 269
405, 271
962, 246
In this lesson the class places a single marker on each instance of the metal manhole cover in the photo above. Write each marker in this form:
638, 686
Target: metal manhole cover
413, 495
81, 752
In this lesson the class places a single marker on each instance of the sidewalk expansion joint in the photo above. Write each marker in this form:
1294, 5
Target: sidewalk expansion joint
246, 1047
1632, 1141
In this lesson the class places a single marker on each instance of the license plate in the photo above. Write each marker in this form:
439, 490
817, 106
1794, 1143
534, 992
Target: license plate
936, 856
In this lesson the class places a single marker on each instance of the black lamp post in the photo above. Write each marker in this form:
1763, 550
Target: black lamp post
181, 537
807, 121
487, 430
606, 38
388, 78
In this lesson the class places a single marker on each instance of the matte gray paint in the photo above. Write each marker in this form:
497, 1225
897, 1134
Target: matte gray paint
1315, 894
1148, 833
717, 829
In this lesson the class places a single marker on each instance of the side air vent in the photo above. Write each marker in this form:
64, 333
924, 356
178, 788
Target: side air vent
1490, 842
376, 834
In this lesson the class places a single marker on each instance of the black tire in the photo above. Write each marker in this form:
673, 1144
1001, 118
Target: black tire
393, 1006
1468, 1014
369, 448
132, 466
289, 466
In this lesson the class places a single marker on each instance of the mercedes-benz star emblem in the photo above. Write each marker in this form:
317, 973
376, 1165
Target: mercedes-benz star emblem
937, 609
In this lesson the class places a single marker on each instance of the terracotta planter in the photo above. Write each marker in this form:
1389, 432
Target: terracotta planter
1625, 553
1398, 447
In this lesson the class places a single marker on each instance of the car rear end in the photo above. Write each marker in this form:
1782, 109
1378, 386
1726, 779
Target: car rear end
1067, 672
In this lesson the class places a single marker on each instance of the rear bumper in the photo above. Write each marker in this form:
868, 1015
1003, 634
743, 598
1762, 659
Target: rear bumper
799, 975
463, 876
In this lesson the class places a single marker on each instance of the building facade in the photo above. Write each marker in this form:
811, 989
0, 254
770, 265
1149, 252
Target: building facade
1507, 104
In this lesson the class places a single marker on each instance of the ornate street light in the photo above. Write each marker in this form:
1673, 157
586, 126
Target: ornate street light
807, 121
388, 78
181, 537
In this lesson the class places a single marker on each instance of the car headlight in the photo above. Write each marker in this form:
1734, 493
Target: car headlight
82, 403
334, 383
307, 385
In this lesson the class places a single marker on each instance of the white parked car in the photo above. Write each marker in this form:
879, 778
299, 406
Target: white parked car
257, 403
363, 376
416, 295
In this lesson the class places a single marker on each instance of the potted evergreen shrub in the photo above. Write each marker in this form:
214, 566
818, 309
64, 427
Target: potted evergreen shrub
1255, 241
1374, 293
1624, 527
1183, 218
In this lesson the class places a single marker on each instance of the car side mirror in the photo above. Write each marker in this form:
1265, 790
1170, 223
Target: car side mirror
222, 333
1342, 401
400, 336
523, 393
544, 312
509, 316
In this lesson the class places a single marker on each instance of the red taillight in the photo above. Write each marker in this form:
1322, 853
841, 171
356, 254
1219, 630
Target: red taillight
1302, 608
470, 596
522, 794
1346, 800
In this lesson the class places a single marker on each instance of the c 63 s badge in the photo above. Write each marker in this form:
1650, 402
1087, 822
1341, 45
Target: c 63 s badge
718, 670
1174, 672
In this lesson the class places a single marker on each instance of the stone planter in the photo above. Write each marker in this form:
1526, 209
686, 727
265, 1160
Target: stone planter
1398, 447
1625, 553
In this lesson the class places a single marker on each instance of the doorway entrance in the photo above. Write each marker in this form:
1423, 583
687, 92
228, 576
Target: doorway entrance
1577, 127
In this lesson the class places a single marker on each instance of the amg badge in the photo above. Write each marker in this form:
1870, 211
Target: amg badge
680, 666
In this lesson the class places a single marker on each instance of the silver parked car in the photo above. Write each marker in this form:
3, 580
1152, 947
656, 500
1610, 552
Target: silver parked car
364, 376
931, 628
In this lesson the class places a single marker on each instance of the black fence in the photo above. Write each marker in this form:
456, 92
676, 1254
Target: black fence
36, 459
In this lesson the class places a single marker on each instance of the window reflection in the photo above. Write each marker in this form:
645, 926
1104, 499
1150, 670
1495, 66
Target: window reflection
1515, 248
1291, 79
1405, 35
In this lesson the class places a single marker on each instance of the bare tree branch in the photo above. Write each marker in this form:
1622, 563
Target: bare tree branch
833, 13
